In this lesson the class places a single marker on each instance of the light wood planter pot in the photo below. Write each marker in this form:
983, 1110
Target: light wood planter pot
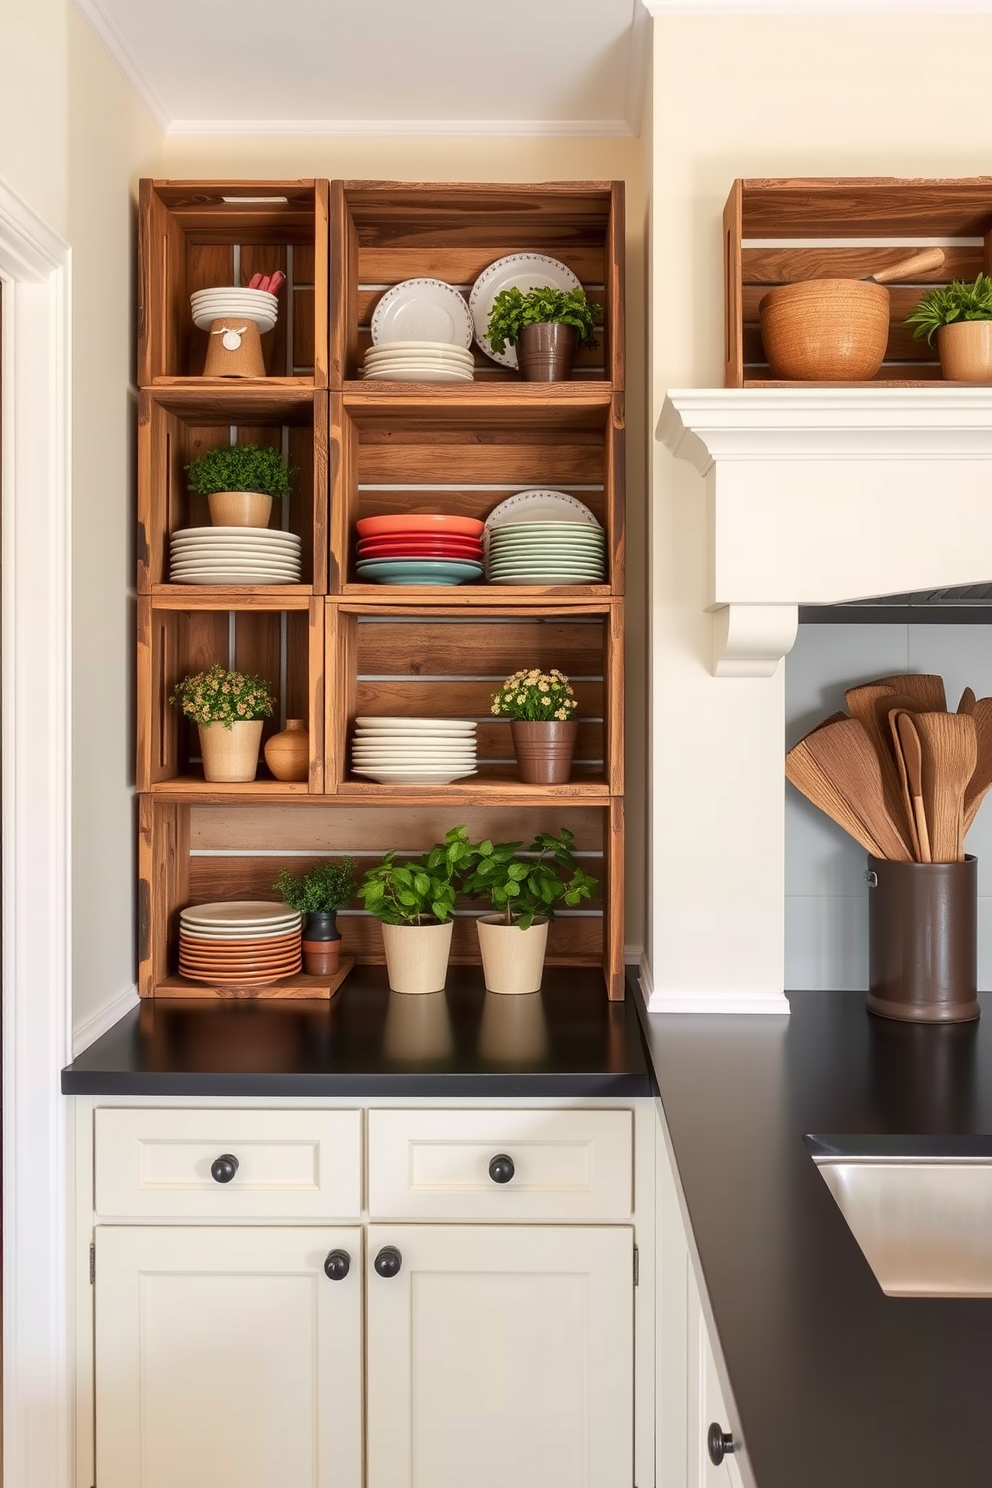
417, 956
512, 959
239, 508
966, 351
230, 754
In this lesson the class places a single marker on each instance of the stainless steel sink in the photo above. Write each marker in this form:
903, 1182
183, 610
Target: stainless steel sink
920, 1209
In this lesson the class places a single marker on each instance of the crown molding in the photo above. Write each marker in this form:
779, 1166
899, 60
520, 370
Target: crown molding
637, 67
396, 128
816, 7
124, 59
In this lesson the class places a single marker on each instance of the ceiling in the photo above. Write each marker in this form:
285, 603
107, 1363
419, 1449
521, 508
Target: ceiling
367, 67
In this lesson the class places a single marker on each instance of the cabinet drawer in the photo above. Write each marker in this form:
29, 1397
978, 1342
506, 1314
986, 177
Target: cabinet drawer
562, 1164
289, 1164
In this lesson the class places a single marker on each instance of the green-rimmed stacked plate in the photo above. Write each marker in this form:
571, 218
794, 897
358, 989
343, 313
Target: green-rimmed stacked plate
546, 552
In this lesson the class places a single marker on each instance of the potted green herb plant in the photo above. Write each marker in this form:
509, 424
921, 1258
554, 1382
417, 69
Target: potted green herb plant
415, 902
319, 894
541, 707
523, 885
239, 482
960, 316
228, 709
546, 326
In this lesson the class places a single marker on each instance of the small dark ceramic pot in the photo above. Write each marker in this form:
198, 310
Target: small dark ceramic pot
923, 940
321, 944
545, 353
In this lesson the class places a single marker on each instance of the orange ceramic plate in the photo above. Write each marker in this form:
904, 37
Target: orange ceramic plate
424, 522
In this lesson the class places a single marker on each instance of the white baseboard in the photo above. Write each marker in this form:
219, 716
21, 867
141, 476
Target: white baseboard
633, 955
97, 1023
717, 1002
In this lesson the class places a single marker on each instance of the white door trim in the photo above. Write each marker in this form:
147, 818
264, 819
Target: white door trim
34, 689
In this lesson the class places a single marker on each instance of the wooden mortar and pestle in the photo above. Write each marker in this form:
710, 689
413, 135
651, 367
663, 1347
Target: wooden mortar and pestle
834, 330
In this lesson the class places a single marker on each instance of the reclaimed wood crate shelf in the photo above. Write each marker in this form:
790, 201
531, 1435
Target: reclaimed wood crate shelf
197, 234
287, 989
780, 231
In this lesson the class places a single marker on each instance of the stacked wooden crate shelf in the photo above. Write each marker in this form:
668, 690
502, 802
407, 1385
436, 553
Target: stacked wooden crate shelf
777, 231
341, 648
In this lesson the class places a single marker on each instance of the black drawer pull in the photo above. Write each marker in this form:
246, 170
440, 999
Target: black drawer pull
223, 1168
719, 1443
501, 1169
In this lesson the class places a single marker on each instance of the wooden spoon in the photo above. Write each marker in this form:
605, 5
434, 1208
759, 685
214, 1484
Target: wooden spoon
870, 705
912, 755
914, 263
982, 777
848, 782
907, 795
967, 703
950, 752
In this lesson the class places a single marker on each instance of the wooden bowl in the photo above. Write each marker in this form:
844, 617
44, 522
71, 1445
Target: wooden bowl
825, 330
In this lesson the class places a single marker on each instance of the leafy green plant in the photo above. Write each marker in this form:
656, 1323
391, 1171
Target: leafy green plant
326, 888
536, 697
512, 310
948, 303
220, 696
422, 890
240, 467
523, 882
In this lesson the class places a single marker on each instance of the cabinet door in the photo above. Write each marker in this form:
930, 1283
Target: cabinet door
706, 1402
501, 1355
226, 1358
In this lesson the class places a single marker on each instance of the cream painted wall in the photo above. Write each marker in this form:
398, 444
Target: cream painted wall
755, 96
507, 160
33, 107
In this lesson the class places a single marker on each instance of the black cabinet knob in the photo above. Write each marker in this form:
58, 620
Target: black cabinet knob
337, 1265
501, 1168
388, 1262
223, 1168
719, 1443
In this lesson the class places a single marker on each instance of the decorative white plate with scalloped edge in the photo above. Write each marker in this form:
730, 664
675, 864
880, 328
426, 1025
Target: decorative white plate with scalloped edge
422, 310
522, 271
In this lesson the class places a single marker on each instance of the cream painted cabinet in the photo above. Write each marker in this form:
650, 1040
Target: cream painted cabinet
500, 1355
227, 1358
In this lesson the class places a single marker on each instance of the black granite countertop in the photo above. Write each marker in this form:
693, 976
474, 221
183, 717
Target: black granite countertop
836, 1384
567, 1040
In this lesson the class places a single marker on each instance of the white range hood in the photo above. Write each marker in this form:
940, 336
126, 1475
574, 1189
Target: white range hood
822, 495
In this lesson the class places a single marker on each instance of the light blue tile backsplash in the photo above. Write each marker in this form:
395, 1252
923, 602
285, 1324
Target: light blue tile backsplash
826, 920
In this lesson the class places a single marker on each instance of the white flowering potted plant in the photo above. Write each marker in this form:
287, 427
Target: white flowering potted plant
415, 902
228, 709
541, 708
523, 885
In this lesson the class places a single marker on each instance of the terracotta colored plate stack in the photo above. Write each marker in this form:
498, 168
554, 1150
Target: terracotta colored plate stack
249, 942
426, 548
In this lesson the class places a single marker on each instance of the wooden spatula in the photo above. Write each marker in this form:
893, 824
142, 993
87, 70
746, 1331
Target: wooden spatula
982, 776
950, 751
912, 757
849, 781
870, 705
968, 700
926, 690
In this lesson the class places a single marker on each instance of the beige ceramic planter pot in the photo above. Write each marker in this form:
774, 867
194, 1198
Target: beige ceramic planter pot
239, 508
417, 956
230, 753
512, 959
966, 351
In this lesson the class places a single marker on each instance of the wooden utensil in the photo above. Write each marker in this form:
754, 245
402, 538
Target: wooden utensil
869, 705
913, 263
981, 778
911, 753
926, 690
950, 750
968, 700
846, 783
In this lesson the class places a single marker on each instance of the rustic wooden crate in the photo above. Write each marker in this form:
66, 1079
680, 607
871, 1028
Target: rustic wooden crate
193, 853
281, 640
445, 661
190, 237
176, 425
406, 452
780, 231
384, 232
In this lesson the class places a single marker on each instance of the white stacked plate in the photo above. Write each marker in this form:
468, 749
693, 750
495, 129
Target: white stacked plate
234, 555
249, 942
418, 361
414, 751
257, 305
544, 537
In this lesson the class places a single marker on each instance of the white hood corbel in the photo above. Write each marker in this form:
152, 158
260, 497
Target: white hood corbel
823, 494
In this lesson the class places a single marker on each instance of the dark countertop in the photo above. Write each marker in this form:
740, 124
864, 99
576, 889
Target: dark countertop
567, 1040
836, 1384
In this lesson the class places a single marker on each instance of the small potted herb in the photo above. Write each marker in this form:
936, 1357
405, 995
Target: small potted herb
545, 325
960, 316
319, 894
415, 902
228, 709
239, 482
523, 885
541, 708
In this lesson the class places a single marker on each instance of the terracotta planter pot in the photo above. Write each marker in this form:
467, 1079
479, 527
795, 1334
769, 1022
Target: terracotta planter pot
230, 753
512, 959
417, 956
966, 351
321, 944
288, 754
239, 508
544, 751
545, 353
